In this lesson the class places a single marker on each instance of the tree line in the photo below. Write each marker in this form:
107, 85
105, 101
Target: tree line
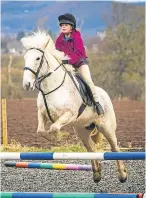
117, 65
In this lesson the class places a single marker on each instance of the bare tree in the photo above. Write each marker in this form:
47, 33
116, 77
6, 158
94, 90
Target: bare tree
80, 22
42, 22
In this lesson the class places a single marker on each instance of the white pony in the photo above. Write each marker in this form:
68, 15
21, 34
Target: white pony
60, 101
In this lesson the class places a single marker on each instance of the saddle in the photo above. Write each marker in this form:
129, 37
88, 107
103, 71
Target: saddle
84, 90
87, 97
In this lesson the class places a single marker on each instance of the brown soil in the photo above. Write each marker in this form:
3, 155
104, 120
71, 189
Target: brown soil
22, 124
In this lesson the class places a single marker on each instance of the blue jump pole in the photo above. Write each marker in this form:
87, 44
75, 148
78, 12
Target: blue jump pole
74, 156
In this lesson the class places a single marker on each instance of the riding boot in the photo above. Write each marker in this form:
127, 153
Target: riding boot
98, 106
85, 73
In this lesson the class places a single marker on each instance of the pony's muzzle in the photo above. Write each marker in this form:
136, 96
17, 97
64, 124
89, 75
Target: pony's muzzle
26, 86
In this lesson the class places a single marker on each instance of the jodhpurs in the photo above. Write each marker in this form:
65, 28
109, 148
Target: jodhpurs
85, 73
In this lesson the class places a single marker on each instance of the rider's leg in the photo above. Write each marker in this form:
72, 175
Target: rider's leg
85, 73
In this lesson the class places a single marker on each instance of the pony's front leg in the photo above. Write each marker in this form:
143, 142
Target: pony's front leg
42, 120
63, 120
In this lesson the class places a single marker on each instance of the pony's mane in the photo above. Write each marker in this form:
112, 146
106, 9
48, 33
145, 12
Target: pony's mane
42, 40
38, 39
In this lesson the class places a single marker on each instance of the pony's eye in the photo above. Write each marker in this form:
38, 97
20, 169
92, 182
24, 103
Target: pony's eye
38, 58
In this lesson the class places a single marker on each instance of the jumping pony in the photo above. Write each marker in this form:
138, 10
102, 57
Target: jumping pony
60, 99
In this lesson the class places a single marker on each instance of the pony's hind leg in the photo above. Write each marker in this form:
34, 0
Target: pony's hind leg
111, 138
84, 135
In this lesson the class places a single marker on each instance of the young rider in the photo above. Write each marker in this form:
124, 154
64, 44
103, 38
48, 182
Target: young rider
71, 43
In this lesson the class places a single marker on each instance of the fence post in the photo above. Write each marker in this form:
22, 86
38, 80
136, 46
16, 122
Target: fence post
4, 122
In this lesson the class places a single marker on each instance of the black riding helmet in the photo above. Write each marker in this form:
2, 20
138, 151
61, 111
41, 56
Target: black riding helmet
67, 19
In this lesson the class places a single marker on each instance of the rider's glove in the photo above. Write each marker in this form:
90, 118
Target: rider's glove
64, 61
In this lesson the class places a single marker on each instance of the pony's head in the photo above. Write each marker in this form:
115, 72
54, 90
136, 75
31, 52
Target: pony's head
38, 47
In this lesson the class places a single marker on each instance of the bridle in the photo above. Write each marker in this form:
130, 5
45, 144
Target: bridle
38, 80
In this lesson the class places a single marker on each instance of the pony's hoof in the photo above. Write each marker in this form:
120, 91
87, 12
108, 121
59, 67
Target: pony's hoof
96, 177
123, 177
44, 135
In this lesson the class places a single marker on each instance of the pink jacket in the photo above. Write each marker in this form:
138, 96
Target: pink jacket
73, 47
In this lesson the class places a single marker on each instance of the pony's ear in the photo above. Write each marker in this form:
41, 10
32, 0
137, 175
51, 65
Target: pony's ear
49, 44
46, 43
